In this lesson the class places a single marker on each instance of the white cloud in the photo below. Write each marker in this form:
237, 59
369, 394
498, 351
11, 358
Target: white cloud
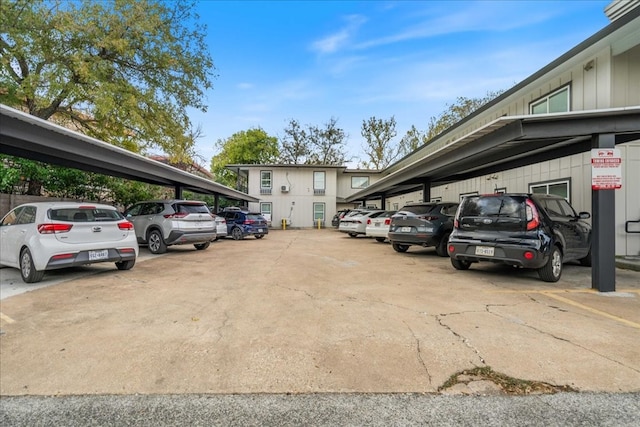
342, 37
245, 86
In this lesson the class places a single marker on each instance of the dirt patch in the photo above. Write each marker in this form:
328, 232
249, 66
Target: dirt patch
484, 380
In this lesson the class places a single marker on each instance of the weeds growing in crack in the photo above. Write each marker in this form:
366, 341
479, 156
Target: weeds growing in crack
509, 385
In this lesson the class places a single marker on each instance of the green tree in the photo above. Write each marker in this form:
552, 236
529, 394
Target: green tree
123, 71
455, 112
294, 147
253, 146
379, 145
327, 144
412, 140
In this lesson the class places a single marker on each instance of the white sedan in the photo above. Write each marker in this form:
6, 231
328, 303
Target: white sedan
378, 227
36, 237
355, 224
221, 226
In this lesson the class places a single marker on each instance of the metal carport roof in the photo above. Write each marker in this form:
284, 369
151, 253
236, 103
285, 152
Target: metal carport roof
30, 137
507, 143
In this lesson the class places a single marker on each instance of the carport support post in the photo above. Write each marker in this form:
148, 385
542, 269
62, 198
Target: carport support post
383, 202
603, 239
426, 190
178, 192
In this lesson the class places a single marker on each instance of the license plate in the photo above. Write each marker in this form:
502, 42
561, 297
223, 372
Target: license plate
98, 255
405, 229
377, 224
259, 230
484, 250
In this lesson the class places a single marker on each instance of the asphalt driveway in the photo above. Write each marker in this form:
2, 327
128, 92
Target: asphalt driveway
314, 311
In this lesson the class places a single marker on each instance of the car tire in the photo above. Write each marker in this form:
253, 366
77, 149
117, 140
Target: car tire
586, 261
380, 239
353, 235
441, 247
259, 236
552, 270
126, 265
460, 264
156, 242
400, 248
202, 246
28, 269
236, 233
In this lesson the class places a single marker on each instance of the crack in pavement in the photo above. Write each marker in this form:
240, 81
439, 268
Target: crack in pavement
440, 319
419, 354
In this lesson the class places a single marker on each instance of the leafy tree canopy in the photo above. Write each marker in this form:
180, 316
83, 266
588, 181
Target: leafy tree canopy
253, 146
123, 71
455, 112
379, 146
295, 147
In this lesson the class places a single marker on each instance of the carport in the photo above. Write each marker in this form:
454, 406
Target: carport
26, 136
513, 141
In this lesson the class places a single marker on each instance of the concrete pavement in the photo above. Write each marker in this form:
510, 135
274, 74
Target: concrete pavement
307, 311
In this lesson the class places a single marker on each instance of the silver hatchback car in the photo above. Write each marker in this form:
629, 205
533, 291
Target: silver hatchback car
162, 223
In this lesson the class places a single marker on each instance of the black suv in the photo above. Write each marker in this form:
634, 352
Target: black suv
536, 231
241, 223
422, 224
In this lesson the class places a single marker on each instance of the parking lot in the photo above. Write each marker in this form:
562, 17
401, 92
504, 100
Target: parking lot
306, 311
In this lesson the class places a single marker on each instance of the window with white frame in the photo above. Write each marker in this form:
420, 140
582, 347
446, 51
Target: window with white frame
265, 182
359, 181
318, 212
560, 187
265, 210
436, 199
319, 182
471, 193
555, 102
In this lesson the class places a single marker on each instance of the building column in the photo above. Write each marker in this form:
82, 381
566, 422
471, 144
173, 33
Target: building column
603, 238
426, 190
178, 192
383, 202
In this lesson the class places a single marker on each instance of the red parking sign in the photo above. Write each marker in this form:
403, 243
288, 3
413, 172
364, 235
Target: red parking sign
606, 169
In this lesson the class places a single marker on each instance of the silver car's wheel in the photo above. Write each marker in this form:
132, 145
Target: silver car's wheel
156, 243
28, 269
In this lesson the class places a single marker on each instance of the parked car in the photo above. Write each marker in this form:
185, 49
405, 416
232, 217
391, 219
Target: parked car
378, 227
242, 223
221, 226
422, 224
335, 221
43, 236
535, 231
162, 223
355, 223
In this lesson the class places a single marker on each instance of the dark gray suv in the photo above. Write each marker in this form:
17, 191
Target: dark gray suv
422, 224
537, 231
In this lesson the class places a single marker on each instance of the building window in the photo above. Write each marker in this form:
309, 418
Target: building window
555, 102
265, 182
318, 212
265, 210
359, 181
436, 199
560, 187
472, 193
501, 190
319, 184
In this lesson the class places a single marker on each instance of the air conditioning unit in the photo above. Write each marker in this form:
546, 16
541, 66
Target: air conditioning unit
284, 188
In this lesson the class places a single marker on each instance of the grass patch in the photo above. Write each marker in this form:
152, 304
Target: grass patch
509, 385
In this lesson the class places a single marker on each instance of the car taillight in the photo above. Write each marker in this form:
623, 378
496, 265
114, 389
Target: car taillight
368, 221
54, 228
452, 249
387, 221
456, 224
176, 215
126, 250
529, 255
63, 256
248, 221
87, 207
427, 217
125, 225
533, 220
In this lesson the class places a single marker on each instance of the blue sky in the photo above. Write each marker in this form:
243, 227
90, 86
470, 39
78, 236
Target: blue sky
314, 60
